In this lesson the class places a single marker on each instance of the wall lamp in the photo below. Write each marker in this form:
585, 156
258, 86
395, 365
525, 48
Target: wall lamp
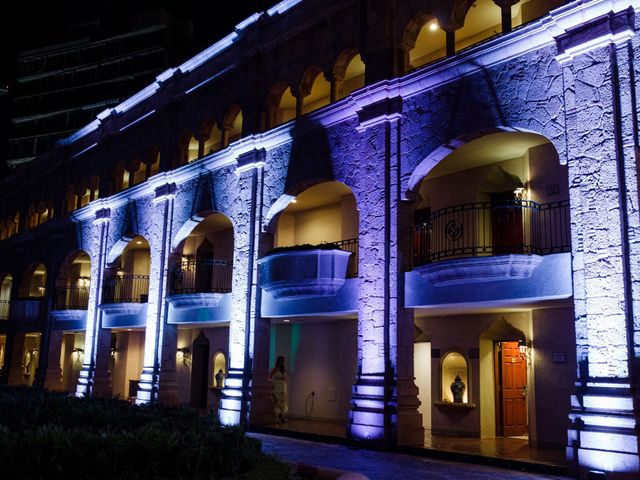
183, 353
525, 350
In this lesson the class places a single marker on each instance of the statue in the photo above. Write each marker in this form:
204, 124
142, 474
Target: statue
457, 388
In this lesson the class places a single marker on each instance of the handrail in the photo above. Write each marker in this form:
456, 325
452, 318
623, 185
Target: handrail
486, 228
201, 276
126, 288
71, 298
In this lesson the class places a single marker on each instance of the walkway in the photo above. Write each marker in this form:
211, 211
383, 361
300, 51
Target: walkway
378, 465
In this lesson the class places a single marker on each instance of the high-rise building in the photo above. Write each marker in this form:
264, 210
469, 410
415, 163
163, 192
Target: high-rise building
61, 87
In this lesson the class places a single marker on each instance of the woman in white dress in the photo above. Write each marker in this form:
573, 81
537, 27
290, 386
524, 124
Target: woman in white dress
279, 390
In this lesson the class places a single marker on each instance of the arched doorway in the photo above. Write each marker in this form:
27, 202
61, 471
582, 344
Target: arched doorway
127, 276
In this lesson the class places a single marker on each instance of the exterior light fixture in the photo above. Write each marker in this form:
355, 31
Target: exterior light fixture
294, 200
183, 353
525, 350
520, 192
83, 282
433, 26
138, 242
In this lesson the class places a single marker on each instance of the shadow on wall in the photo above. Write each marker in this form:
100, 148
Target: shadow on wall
310, 156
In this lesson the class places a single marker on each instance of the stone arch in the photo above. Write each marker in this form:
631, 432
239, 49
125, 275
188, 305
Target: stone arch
65, 267
308, 78
27, 287
233, 124
274, 99
436, 156
343, 60
191, 223
411, 31
287, 197
120, 245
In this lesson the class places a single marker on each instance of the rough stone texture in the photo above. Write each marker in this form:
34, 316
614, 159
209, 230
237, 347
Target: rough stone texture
381, 159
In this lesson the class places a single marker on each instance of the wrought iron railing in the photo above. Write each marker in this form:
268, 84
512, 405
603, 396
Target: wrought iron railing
204, 276
125, 288
350, 245
485, 228
71, 298
4, 309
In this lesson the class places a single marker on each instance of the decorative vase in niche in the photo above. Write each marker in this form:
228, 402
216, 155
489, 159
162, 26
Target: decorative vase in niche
457, 388
219, 378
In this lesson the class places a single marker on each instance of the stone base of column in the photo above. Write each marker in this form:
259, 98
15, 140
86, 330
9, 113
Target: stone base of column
235, 402
53, 378
147, 387
168, 388
261, 405
53, 372
373, 416
93, 383
15, 375
603, 438
410, 429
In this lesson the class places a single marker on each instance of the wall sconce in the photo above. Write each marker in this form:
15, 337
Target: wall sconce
183, 353
120, 273
77, 352
520, 192
83, 282
525, 350
113, 352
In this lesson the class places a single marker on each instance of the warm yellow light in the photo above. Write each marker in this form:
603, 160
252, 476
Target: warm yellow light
433, 26
294, 201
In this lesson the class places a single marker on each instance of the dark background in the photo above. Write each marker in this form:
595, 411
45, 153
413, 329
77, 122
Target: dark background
26, 24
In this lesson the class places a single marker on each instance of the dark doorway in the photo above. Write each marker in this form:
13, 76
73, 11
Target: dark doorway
200, 371
204, 266
506, 223
511, 390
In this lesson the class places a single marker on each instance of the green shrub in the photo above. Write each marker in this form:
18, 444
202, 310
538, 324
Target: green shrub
45, 435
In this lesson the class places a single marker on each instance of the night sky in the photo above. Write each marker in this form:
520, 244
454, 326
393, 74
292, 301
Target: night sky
36, 24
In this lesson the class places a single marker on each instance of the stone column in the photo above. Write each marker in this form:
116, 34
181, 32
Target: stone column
94, 376
160, 242
53, 370
598, 72
505, 8
15, 355
384, 397
235, 403
168, 386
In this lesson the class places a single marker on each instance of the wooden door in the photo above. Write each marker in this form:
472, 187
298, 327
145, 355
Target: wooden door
506, 224
513, 390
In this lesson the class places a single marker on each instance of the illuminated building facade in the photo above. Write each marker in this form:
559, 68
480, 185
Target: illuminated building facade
429, 208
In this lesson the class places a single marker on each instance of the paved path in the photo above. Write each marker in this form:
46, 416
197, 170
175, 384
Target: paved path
384, 465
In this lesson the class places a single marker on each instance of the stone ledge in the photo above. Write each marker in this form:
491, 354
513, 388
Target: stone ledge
480, 269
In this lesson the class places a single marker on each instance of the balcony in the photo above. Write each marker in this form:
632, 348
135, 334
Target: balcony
199, 291
477, 246
71, 298
310, 279
125, 288
489, 229
205, 276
